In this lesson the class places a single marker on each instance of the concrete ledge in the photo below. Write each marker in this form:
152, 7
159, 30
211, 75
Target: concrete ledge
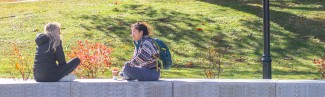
224, 88
34, 89
300, 88
164, 88
111, 88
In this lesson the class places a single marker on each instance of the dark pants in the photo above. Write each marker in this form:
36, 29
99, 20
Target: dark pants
61, 71
141, 74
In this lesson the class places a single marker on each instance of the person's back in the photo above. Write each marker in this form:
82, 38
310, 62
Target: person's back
44, 63
43, 54
49, 51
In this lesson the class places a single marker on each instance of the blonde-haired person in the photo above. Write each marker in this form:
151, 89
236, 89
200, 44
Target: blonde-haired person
142, 66
50, 64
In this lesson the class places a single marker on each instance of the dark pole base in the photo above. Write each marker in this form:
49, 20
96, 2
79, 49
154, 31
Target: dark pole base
267, 74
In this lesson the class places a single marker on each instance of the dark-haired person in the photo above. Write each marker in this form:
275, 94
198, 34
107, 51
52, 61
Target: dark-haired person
142, 66
49, 52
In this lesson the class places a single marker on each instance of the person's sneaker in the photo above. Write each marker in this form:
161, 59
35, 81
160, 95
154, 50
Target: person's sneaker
121, 74
69, 77
125, 78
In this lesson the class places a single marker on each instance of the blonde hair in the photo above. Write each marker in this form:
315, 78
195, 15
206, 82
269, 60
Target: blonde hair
52, 30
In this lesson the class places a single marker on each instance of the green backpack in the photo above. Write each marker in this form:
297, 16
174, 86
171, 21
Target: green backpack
165, 59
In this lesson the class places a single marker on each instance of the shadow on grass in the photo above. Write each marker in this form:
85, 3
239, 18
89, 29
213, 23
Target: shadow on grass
179, 27
289, 4
296, 24
168, 24
301, 30
296, 73
276, 74
184, 73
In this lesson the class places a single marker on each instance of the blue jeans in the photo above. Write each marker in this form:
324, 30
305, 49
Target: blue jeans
141, 74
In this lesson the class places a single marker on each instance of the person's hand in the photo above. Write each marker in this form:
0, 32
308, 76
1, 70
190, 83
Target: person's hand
126, 64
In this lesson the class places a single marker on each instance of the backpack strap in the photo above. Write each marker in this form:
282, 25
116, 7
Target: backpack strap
157, 63
157, 58
158, 48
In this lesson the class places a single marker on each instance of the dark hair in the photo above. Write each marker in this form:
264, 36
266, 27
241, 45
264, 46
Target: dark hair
144, 27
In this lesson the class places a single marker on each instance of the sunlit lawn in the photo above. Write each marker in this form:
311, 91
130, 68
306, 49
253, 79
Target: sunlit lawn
192, 29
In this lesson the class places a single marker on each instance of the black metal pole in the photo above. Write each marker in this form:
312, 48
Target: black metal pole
266, 59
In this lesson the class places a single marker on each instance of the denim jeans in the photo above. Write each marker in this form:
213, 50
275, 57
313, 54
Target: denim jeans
141, 74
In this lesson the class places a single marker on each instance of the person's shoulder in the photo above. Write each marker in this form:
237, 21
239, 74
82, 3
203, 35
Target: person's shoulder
41, 38
41, 35
148, 39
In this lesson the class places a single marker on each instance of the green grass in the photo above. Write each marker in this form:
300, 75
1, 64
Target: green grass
297, 32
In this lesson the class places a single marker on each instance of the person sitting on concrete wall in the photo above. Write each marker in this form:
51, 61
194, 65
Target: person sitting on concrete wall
49, 51
142, 66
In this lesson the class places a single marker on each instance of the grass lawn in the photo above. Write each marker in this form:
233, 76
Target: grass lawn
198, 32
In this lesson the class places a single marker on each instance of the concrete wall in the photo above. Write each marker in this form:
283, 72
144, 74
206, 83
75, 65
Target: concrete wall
165, 88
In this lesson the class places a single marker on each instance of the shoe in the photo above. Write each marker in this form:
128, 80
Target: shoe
126, 77
121, 74
69, 77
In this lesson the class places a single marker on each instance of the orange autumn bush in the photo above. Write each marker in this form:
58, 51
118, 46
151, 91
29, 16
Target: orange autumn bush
21, 65
320, 63
95, 58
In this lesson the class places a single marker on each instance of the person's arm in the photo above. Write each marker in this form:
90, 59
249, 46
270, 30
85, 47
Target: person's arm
60, 55
143, 55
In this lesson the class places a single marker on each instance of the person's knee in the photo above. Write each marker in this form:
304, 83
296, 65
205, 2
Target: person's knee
76, 60
126, 69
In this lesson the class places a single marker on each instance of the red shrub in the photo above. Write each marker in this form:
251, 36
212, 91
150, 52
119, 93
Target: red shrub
94, 58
